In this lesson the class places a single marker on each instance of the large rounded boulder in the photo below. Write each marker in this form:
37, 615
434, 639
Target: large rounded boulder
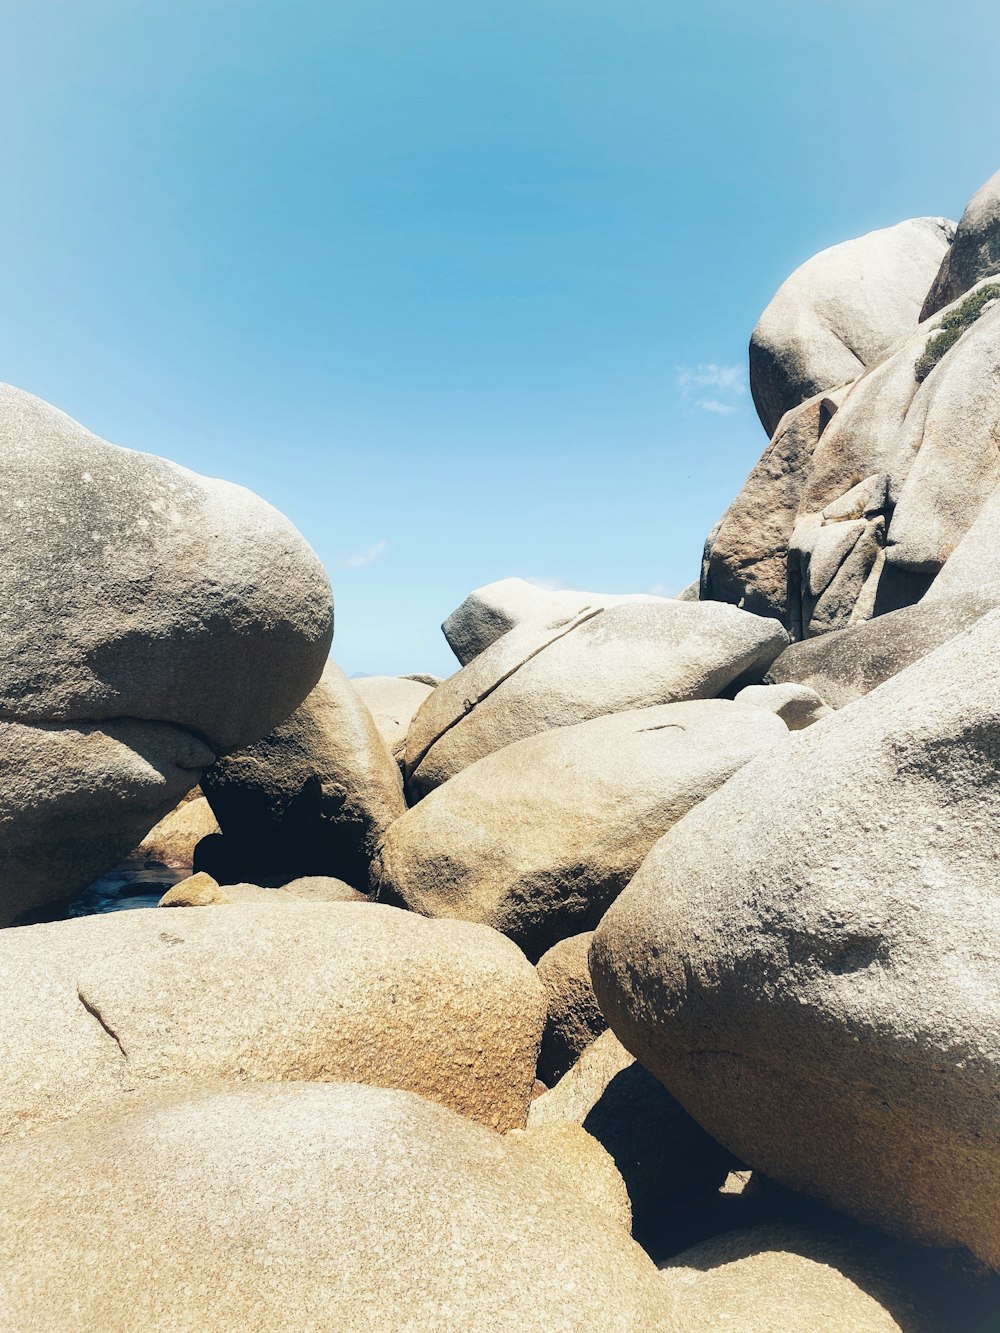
808, 960
102, 1010
307, 1207
151, 620
842, 312
314, 797
538, 839
599, 662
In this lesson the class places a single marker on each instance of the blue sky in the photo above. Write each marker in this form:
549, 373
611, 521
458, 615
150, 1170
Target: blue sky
463, 288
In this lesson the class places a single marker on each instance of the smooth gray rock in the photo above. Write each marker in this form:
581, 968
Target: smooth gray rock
151, 619
974, 253
842, 312
847, 664
312, 798
493, 610
601, 662
809, 959
538, 838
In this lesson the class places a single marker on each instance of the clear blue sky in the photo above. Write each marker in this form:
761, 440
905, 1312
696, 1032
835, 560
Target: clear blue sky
436, 277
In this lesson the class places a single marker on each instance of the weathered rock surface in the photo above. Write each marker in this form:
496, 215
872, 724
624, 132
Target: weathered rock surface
312, 798
539, 838
662, 1154
798, 706
893, 482
370, 1209
393, 702
493, 610
817, 987
604, 662
151, 619
102, 1009
842, 312
847, 664
172, 841
574, 1018
974, 253
789, 1278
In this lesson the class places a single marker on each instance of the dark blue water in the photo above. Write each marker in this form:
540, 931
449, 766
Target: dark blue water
131, 884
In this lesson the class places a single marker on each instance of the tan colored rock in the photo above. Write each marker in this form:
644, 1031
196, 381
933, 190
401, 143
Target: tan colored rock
100, 1009
323, 889
393, 702
173, 840
842, 312
747, 555
312, 798
574, 1018
306, 1206
626, 657
199, 890
573, 1159
662, 1154
538, 839
818, 985
787, 1278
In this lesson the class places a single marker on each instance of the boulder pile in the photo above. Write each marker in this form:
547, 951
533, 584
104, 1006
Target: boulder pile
639, 975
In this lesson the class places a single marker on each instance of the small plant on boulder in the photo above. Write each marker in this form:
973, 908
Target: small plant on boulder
951, 328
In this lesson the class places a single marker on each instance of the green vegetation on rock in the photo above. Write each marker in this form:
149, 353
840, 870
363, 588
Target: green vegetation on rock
952, 327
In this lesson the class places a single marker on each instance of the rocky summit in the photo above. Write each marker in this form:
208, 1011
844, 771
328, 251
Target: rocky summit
641, 974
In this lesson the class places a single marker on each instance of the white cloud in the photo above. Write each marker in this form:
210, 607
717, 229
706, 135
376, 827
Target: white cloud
728, 383
713, 405
362, 558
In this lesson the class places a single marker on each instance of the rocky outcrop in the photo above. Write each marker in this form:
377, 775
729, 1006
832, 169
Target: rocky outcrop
369, 1209
816, 987
539, 838
393, 702
974, 253
312, 798
100, 1010
602, 662
497, 608
893, 482
151, 620
841, 313
573, 1018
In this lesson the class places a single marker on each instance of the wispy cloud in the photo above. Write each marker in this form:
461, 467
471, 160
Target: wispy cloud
362, 558
728, 385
